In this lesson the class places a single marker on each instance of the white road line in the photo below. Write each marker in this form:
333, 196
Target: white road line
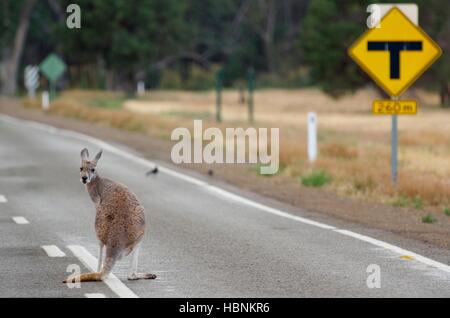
53, 251
266, 208
20, 220
94, 295
3, 199
91, 263
396, 249
224, 193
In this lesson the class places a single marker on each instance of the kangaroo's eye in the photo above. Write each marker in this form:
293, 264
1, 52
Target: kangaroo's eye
92, 170
81, 169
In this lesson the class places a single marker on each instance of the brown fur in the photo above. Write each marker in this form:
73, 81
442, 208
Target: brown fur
119, 221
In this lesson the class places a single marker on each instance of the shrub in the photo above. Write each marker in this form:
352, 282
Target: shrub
428, 219
446, 210
316, 179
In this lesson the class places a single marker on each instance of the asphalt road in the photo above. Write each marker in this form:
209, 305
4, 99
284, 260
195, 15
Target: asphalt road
202, 241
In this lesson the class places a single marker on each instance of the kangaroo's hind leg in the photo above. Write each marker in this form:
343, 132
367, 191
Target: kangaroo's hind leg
133, 274
112, 255
100, 257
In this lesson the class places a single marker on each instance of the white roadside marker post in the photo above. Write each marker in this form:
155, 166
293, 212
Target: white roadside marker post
140, 88
312, 136
45, 100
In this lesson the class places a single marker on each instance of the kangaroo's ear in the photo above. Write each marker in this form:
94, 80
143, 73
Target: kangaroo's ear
84, 154
98, 156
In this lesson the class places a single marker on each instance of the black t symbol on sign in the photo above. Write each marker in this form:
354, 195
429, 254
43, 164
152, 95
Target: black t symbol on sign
394, 49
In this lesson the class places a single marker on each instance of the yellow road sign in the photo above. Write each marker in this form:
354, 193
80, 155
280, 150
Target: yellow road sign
394, 107
395, 54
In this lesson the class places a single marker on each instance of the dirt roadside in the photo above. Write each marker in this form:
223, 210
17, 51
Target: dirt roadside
401, 221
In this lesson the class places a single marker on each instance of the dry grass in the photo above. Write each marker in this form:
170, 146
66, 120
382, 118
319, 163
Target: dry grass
354, 146
78, 104
339, 151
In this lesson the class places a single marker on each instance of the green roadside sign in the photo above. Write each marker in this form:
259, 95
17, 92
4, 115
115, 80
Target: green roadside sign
52, 68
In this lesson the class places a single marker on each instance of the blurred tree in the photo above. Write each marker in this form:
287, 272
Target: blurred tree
124, 36
299, 42
209, 25
434, 16
263, 18
15, 22
329, 28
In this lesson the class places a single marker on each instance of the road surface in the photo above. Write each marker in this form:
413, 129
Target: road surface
203, 241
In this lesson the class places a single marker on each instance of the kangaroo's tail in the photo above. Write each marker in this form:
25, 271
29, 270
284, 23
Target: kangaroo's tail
110, 260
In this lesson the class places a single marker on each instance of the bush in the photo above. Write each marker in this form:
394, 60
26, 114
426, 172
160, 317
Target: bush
317, 178
446, 210
428, 219
404, 201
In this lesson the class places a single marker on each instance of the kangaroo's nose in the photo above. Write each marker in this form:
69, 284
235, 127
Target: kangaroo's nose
84, 178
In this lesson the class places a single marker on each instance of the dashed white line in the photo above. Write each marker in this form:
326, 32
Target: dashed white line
91, 263
53, 251
20, 220
94, 295
224, 193
3, 199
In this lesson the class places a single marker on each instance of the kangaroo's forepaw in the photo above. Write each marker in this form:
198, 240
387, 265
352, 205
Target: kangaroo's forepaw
136, 276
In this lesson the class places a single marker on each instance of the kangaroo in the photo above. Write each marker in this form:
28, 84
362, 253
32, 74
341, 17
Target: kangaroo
119, 222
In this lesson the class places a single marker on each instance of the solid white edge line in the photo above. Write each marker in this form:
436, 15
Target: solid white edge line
20, 220
91, 263
3, 199
396, 249
94, 295
266, 208
225, 193
53, 251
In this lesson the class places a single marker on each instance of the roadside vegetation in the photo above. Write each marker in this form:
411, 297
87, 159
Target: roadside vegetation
354, 147
446, 210
317, 178
429, 218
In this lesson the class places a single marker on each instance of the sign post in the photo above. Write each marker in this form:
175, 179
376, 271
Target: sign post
394, 147
251, 87
219, 83
395, 53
